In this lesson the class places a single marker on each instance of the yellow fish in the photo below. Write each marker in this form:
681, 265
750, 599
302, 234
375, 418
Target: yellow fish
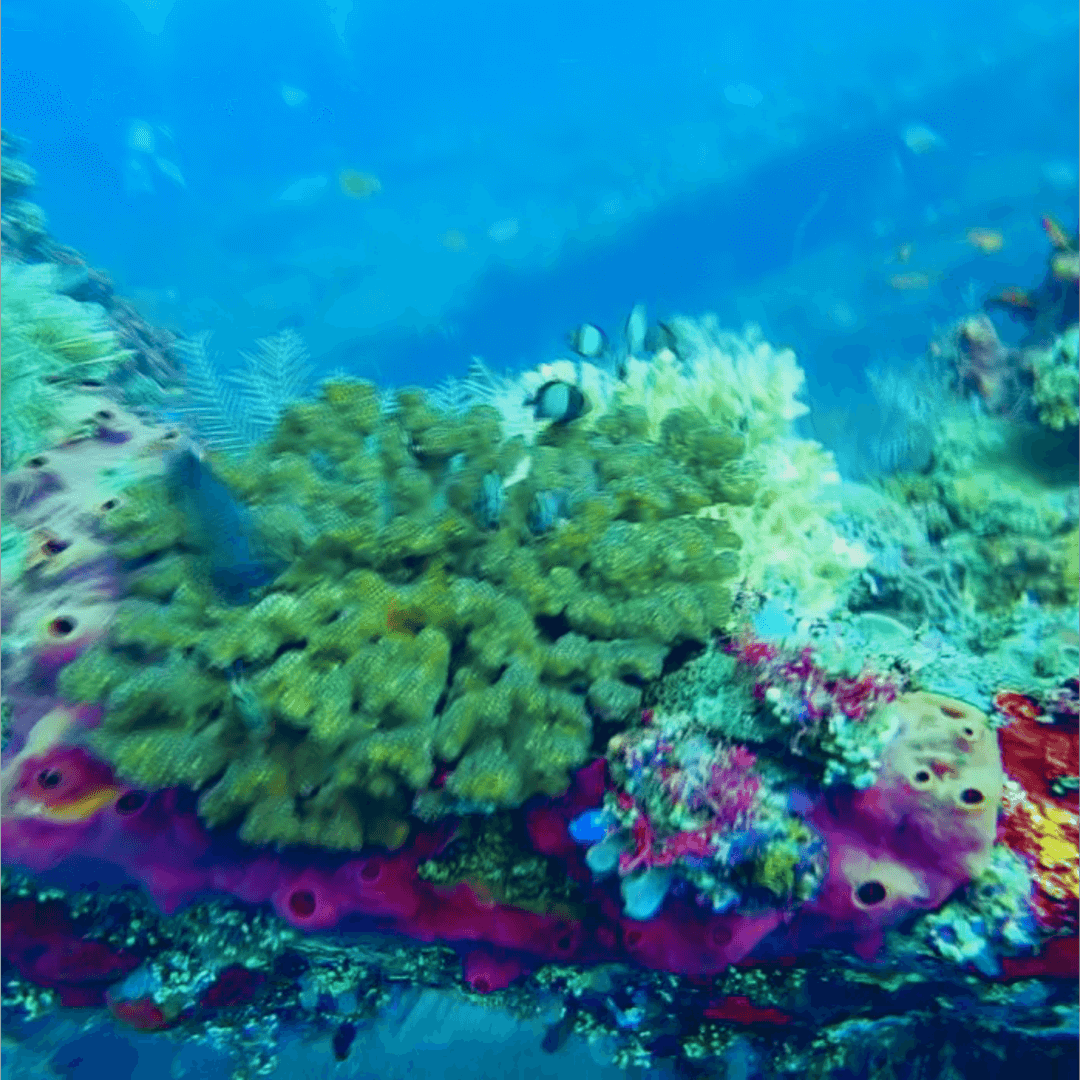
454, 240
986, 240
358, 185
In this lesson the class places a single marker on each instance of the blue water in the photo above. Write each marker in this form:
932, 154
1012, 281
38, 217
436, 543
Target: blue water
541, 165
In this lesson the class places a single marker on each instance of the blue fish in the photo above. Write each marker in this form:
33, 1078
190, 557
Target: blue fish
220, 529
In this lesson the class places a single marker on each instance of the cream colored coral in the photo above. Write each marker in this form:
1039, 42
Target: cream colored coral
740, 380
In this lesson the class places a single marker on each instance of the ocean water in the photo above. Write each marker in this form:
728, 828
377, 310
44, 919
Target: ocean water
293, 195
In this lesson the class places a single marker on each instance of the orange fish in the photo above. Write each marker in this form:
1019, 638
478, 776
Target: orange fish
1017, 298
1058, 236
906, 282
987, 241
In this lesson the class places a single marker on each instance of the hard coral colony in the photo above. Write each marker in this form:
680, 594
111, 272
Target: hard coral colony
501, 668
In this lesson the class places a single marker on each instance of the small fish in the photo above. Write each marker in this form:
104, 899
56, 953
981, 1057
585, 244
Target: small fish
659, 337
358, 185
170, 171
558, 401
293, 96
920, 139
907, 282
1020, 299
588, 341
219, 528
1057, 235
988, 241
490, 501
903, 253
504, 230
454, 240
636, 327
140, 137
545, 508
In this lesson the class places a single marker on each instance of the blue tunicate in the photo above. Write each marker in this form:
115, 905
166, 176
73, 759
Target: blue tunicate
643, 895
603, 858
591, 826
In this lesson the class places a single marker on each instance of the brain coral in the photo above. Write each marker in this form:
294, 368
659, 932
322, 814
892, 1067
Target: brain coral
456, 608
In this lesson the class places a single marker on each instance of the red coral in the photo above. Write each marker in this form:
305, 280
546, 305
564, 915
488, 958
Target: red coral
43, 943
1035, 753
739, 1009
1017, 706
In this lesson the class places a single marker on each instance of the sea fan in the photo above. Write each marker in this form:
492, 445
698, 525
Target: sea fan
231, 414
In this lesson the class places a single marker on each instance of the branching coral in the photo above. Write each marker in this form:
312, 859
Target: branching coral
425, 615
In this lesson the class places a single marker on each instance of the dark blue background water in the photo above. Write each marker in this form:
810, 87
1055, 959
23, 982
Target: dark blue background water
787, 212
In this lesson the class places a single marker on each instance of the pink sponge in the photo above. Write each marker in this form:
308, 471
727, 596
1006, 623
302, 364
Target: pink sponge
925, 828
485, 970
683, 939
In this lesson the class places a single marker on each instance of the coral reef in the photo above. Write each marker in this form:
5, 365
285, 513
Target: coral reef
611, 662
413, 627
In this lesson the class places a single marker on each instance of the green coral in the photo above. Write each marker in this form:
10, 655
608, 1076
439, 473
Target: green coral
50, 343
415, 625
1056, 371
999, 509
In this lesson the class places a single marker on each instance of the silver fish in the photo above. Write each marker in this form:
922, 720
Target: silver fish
490, 500
636, 326
558, 401
545, 508
588, 341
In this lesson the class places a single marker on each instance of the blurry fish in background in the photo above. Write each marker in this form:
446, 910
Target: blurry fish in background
304, 190
546, 508
490, 501
903, 253
293, 96
588, 341
659, 337
454, 240
1019, 301
634, 332
908, 282
920, 139
358, 185
504, 230
170, 171
1057, 236
743, 94
144, 161
988, 241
